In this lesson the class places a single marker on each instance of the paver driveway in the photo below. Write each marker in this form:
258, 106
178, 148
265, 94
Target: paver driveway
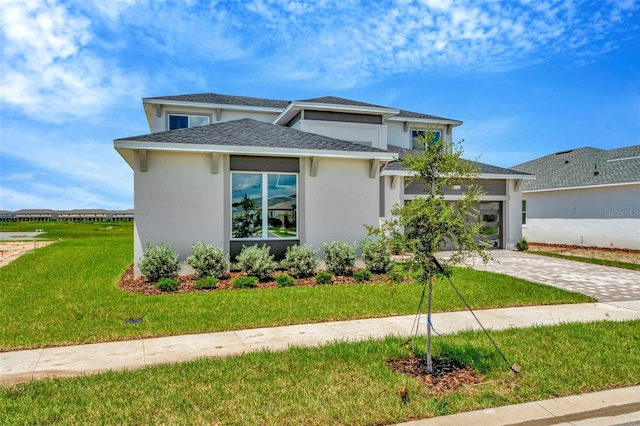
605, 283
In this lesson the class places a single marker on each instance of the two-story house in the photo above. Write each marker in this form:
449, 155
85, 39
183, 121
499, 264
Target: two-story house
237, 171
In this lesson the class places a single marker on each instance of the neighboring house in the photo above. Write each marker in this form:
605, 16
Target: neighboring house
324, 168
584, 196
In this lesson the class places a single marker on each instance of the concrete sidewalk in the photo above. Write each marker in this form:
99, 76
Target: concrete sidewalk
619, 407
66, 361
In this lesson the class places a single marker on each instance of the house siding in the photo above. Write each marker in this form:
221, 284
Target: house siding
178, 201
339, 201
601, 217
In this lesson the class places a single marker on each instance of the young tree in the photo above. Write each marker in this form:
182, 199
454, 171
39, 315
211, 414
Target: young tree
430, 222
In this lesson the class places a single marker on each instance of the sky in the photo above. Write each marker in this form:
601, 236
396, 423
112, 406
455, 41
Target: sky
527, 78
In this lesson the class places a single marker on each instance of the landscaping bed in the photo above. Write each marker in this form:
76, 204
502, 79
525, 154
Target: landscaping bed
602, 253
188, 282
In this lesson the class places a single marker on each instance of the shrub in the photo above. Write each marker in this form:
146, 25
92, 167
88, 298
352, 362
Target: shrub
285, 281
522, 244
362, 275
245, 282
207, 283
300, 261
208, 261
256, 262
376, 256
340, 257
324, 278
167, 284
159, 262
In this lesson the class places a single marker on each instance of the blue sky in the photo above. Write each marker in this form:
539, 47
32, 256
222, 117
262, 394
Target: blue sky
527, 78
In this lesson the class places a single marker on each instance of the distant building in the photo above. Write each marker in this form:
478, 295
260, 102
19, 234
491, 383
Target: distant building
77, 215
585, 196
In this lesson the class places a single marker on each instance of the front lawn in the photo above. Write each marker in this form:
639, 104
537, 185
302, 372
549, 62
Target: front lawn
68, 293
341, 383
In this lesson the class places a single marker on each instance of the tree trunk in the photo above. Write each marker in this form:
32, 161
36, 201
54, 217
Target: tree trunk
429, 299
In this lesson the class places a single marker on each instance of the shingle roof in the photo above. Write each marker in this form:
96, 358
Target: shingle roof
249, 132
482, 167
214, 98
333, 100
583, 167
409, 114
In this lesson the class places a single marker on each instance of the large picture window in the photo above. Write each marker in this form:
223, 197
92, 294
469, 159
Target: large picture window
264, 205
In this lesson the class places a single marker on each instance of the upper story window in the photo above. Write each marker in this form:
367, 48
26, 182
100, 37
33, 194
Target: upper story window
419, 136
178, 121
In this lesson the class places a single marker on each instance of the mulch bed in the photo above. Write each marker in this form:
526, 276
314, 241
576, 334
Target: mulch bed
447, 375
187, 283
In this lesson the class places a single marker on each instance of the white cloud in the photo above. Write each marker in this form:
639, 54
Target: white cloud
48, 72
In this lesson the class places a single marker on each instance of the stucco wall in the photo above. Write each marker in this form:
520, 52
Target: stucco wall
178, 201
339, 200
373, 134
160, 124
602, 217
398, 137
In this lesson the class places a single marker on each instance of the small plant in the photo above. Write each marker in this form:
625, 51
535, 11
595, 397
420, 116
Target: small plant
256, 262
245, 282
167, 284
159, 262
522, 244
340, 257
285, 280
376, 255
362, 275
208, 261
395, 276
300, 261
207, 283
324, 278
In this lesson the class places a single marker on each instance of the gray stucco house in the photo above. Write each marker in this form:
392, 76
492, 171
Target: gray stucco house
324, 167
584, 196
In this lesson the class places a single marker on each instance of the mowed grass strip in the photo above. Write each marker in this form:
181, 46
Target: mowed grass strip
604, 262
341, 383
68, 293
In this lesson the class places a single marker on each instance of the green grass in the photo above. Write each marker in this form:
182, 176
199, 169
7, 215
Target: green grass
67, 293
614, 263
343, 383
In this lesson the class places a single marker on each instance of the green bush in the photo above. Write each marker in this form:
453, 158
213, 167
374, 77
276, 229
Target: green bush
323, 278
256, 262
159, 262
362, 275
208, 261
300, 261
340, 257
207, 283
522, 244
376, 255
167, 284
245, 282
285, 280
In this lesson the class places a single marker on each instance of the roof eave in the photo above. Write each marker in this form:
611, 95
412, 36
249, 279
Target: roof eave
159, 101
567, 188
453, 123
294, 107
408, 173
126, 147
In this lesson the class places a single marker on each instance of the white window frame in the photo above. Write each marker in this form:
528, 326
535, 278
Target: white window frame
423, 130
188, 115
